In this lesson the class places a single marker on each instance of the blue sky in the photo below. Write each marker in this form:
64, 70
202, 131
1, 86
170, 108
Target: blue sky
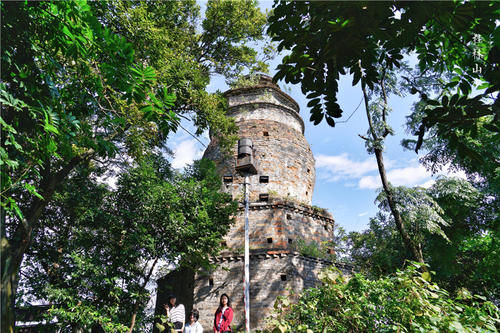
347, 178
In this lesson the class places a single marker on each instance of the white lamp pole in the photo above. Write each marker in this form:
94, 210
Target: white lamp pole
247, 258
245, 164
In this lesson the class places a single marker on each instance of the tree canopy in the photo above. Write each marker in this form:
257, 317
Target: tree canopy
456, 76
457, 41
97, 248
466, 258
103, 83
369, 40
71, 92
186, 51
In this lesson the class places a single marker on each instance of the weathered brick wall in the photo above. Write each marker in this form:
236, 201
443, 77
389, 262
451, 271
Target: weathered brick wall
282, 154
270, 118
264, 101
278, 225
272, 273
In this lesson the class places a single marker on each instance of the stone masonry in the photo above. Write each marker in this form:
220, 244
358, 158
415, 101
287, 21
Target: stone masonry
280, 212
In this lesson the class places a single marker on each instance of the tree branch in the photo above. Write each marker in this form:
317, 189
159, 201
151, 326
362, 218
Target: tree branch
368, 115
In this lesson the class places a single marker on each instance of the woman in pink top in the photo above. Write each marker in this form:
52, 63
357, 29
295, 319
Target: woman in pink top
223, 315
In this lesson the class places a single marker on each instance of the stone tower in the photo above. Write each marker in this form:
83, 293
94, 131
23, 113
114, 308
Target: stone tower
280, 212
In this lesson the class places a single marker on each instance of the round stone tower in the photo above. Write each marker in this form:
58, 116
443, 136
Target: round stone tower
270, 118
281, 218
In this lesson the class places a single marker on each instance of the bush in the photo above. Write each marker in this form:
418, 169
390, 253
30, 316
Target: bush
404, 302
313, 249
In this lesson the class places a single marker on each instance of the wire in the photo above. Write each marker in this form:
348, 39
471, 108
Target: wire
356, 109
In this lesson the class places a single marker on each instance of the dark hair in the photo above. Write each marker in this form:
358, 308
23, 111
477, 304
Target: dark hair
169, 298
228, 301
195, 313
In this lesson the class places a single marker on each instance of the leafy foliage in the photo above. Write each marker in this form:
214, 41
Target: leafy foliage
466, 258
369, 41
419, 210
186, 50
98, 248
403, 302
456, 43
474, 151
378, 250
71, 92
332, 39
101, 82
71, 89
313, 249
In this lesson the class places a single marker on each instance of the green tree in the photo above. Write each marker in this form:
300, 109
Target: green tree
98, 248
70, 92
331, 39
465, 259
377, 251
369, 40
186, 50
474, 151
379, 246
74, 90
403, 302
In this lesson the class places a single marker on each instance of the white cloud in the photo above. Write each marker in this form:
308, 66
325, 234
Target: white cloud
185, 152
428, 183
340, 166
362, 214
365, 172
369, 182
410, 176
452, 173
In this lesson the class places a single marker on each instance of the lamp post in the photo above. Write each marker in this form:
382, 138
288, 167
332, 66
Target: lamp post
245, 164
247, 258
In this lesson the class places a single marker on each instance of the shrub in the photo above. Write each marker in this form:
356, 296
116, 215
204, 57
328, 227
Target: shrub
403, 302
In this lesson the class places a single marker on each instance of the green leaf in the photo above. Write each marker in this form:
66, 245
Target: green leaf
330, 121
32, 190
68, 33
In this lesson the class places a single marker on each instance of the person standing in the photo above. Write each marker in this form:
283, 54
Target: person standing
223, 315
175, 313
193, 326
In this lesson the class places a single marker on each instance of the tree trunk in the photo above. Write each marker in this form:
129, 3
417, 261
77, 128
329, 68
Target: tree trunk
8, 288
132, 324
12, 257
136, 306
410, 245
13, 249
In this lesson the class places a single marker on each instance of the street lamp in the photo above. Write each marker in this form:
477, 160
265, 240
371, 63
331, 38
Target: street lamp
246, 165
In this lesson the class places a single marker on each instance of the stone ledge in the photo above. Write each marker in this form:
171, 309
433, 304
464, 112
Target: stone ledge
277, 253
294, 207
234, 109
264, 82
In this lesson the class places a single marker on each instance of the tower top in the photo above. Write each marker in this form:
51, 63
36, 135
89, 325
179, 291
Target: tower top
264, 95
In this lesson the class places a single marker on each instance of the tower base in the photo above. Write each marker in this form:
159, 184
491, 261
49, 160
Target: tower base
272, 274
